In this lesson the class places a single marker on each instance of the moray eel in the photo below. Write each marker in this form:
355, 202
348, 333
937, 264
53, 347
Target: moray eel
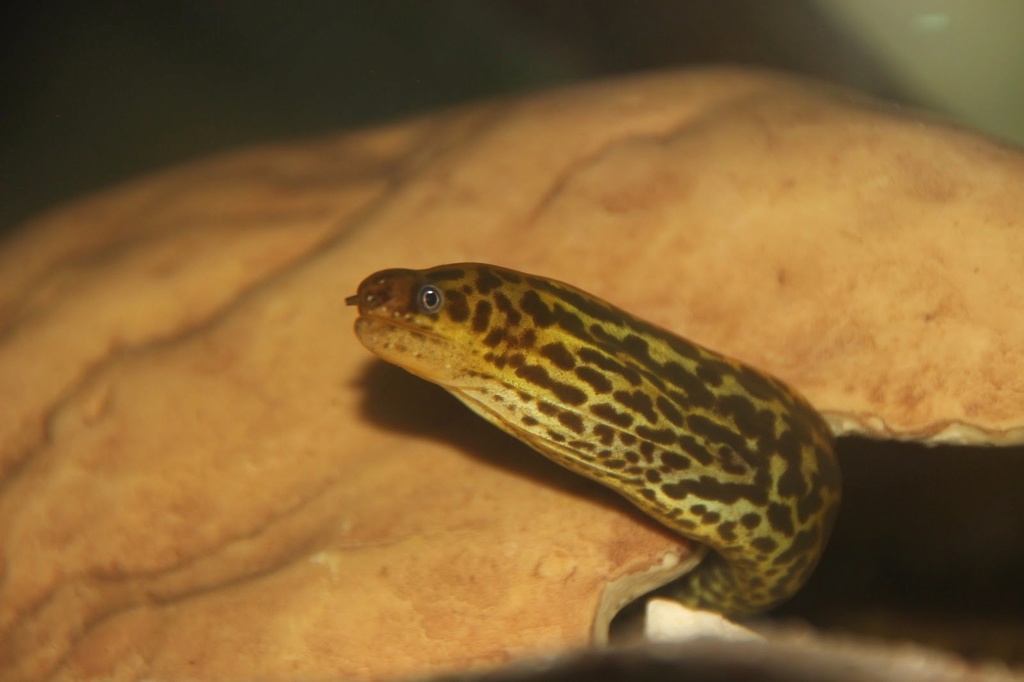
715, 450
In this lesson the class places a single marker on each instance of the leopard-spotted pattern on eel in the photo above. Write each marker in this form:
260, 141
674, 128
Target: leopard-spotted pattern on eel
717, 451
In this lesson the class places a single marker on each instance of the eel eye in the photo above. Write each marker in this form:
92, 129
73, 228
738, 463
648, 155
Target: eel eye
430, 298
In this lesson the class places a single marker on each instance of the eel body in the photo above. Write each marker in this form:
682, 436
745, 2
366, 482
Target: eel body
713, 449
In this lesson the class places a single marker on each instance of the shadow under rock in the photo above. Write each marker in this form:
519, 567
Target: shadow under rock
928, 547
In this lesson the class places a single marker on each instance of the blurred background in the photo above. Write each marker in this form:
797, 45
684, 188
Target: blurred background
95, 93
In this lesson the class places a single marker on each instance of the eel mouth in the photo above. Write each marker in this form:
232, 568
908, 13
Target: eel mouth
382, 325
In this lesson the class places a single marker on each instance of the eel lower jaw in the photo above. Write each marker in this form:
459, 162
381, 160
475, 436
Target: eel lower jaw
419, 351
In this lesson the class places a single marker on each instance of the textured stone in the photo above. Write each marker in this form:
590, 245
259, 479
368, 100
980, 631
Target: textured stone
204, 475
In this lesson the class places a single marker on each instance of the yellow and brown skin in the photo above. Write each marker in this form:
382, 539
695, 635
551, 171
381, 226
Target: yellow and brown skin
715, 450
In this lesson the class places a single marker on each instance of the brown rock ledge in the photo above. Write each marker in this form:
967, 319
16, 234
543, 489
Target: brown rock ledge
205, 476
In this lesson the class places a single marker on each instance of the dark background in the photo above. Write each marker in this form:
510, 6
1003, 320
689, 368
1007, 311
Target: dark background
94, 93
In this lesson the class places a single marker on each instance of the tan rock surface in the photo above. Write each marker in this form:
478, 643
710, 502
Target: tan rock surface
205, 475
